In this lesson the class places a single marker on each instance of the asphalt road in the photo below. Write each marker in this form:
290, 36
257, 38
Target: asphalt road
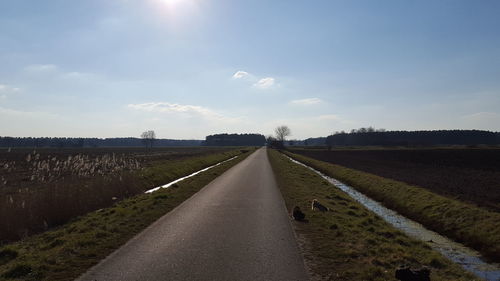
235, 228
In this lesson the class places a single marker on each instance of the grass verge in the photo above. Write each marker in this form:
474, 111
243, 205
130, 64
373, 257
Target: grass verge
67, 251
161, 172
475, 227
350, 242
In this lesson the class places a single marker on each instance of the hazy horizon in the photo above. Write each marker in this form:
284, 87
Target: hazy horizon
192, 68
199, 139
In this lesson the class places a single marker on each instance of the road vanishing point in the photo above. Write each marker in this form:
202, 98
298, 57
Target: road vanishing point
235, 228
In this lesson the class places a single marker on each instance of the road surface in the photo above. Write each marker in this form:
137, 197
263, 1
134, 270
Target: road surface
235, 228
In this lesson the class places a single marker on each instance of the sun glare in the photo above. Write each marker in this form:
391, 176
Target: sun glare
177, 12
177, 6
172, 3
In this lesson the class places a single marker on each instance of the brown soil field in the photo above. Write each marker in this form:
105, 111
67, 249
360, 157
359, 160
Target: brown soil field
471, 175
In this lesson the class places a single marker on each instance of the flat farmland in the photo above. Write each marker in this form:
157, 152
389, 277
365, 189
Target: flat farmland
471, 175
33, 168
41, 188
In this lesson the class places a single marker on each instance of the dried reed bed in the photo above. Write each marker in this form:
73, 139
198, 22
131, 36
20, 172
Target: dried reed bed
47, 187
65, 252
53, 169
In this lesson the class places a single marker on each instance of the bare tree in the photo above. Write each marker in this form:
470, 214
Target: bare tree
270, 139
272, 142
282, 132
148, 137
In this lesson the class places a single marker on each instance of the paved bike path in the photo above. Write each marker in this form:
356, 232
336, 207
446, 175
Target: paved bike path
235, 228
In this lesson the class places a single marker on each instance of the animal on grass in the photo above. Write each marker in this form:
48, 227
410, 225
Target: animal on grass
405, 273
316, 205
297, 214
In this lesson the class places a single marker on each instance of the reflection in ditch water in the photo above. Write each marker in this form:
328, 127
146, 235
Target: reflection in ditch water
468, 258
188, 176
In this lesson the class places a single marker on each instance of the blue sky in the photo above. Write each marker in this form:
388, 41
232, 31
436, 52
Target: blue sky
189, 68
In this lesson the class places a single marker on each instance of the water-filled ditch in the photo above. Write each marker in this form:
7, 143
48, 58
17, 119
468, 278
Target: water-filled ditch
188, 176
468, 258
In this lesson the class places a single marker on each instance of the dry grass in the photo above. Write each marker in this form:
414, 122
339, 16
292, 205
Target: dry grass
475, 227
350, 242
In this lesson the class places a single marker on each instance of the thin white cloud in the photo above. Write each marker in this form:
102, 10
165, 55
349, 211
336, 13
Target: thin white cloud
240, 74
308, 101
481, 120
46, 74
482, 115
265, 83
25, 114
7, 90
41, 68
55, 71
185, 110
171, 108
78, 76
260, 83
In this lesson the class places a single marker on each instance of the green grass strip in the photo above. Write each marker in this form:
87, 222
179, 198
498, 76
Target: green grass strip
350, 242
68, 251
473, 226
162, 172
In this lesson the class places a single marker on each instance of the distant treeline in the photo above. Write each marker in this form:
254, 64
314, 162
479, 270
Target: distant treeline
307, 142
235, 140
90, 142
404, 138
361, 137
